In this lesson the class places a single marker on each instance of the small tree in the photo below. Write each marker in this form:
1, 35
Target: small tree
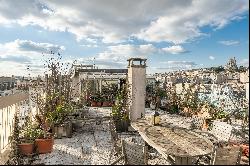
54, 97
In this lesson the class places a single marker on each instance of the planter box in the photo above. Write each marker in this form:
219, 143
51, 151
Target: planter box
44, 145
63, 130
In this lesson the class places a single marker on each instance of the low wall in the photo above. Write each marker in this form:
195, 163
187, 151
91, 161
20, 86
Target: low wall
8, 107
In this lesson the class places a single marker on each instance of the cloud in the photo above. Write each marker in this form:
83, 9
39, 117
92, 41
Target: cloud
18, 59
117, 55
174, 65
123, 52
229, 42
184, 24
20, 54
190, 63
177, 65
89, 45
103, 63
211, 57
28, 48
244, 62
112, 22
27, 45
177, 49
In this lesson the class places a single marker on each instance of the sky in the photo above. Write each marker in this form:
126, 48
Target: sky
170, 34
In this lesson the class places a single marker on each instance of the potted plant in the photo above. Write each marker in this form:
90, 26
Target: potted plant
190, 102
27, 138
174, 109
153, 104
93, 101
55, 91
172, 100
44, 139
99, 100
106, 101
61, 126
119, 111
44, 142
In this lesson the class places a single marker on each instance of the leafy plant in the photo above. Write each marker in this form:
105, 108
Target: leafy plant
119, 109
174, 109
14, 156
219, 115
190, 99
60, 114
54, 96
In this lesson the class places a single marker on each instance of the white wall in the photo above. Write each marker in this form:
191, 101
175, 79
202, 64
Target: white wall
7, 121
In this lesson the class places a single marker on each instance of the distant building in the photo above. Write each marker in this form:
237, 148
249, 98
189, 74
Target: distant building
247, 85
7, 83
244, 77
231, 65
218, 78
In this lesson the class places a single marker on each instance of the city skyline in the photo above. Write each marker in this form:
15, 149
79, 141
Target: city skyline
172, 35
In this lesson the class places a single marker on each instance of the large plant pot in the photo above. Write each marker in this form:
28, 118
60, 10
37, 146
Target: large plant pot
111, 104
44, 145
124, 125
63, 130
26, 148
106, 104
93, 103
118, 124
99, 104
121, 125
245, 149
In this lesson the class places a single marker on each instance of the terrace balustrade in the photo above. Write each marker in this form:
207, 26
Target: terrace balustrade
8, 107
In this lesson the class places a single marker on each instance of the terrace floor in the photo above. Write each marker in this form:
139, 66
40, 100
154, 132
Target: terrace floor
91, 144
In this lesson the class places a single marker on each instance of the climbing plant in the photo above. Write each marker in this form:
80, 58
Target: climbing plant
15, 157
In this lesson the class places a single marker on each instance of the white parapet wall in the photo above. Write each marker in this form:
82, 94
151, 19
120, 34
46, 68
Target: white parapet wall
137, 89
8, 107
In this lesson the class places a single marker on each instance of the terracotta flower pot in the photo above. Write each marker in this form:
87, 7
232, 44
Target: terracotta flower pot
111, 104
26, 148
44, 145
93, 103
99, 104
106, 104
245, 149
